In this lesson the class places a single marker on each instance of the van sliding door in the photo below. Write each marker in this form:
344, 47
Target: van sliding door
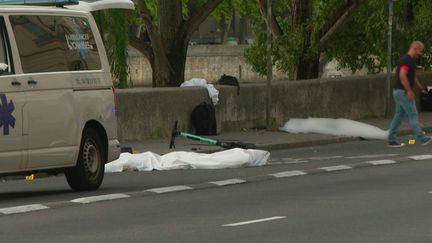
12, 100
50, 48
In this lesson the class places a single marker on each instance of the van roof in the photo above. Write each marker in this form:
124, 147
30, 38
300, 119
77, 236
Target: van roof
94, 5
14, 9
50, 5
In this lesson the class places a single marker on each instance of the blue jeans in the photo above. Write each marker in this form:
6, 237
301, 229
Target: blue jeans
404, 106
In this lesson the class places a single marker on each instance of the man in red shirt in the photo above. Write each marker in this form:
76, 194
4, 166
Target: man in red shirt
404, 96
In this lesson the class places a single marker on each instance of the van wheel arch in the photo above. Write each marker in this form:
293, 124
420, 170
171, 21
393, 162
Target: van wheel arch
89, 170
102, 135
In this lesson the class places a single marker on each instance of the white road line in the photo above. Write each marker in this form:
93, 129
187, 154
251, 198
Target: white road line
381, 162
288, 173
371, 156
291, 160
169, 189
336, 167
421, 157
283, 162
100, 198
326, 157
23, 209
255, 221
228, 182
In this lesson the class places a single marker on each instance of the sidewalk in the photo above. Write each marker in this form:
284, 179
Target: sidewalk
269, 140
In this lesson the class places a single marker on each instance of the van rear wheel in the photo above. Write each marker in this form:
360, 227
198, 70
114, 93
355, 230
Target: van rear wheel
90, 168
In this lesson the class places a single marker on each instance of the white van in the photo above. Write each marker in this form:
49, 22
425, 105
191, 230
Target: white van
57, 104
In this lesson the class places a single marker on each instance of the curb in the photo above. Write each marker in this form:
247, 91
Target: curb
317, 142
332, 140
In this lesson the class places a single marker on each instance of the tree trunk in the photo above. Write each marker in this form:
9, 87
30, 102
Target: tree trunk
226, 27
169, 39
170, 23
242, 31
409, 15
301, 12
308, 69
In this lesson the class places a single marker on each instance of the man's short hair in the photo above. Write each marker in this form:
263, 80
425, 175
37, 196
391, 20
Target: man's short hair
416, 44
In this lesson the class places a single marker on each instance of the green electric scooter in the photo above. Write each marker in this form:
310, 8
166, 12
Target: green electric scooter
223, 144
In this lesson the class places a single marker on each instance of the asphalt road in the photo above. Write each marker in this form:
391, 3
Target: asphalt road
390, 203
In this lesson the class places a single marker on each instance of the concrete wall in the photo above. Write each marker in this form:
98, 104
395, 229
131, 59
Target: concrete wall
150, 112
203, 61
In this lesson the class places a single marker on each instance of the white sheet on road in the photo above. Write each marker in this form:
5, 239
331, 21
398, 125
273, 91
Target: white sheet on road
148, 161
341, 127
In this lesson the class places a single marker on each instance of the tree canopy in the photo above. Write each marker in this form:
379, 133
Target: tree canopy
363, 41
115, 23
301, 31
306, 33
352, 32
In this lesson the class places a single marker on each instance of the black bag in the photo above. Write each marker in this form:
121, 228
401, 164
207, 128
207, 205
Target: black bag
426, 101
204, 119
229, 80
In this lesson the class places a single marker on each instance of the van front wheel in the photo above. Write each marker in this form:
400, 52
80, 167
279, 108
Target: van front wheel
90, 168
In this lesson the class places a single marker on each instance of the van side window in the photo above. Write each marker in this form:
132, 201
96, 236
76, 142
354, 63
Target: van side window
55, 43
5, 57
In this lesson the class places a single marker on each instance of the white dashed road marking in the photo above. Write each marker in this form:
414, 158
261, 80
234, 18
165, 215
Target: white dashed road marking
228, 182
255, 221
305, 160
326, 157
368, 156
283, 162
381, 162
100, 198
336, 167
421, 157
23, 209
232, 181
169, 189
289, 173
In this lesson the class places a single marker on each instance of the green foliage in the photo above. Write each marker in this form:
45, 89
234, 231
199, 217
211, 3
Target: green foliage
248, 9
256, 54
292, 42
223, 11
116, 42
361, 43
423, 29
152, 6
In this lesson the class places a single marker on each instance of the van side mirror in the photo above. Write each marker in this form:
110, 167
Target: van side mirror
3, 67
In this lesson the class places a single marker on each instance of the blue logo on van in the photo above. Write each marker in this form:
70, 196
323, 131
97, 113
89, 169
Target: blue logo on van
6, 118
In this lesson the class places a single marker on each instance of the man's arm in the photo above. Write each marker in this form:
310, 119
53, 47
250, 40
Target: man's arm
420, 86
403, 77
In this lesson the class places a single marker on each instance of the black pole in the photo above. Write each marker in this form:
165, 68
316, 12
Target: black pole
269, 66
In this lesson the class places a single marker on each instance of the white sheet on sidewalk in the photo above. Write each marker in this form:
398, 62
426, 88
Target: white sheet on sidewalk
341, 127
212, 91
148, 161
